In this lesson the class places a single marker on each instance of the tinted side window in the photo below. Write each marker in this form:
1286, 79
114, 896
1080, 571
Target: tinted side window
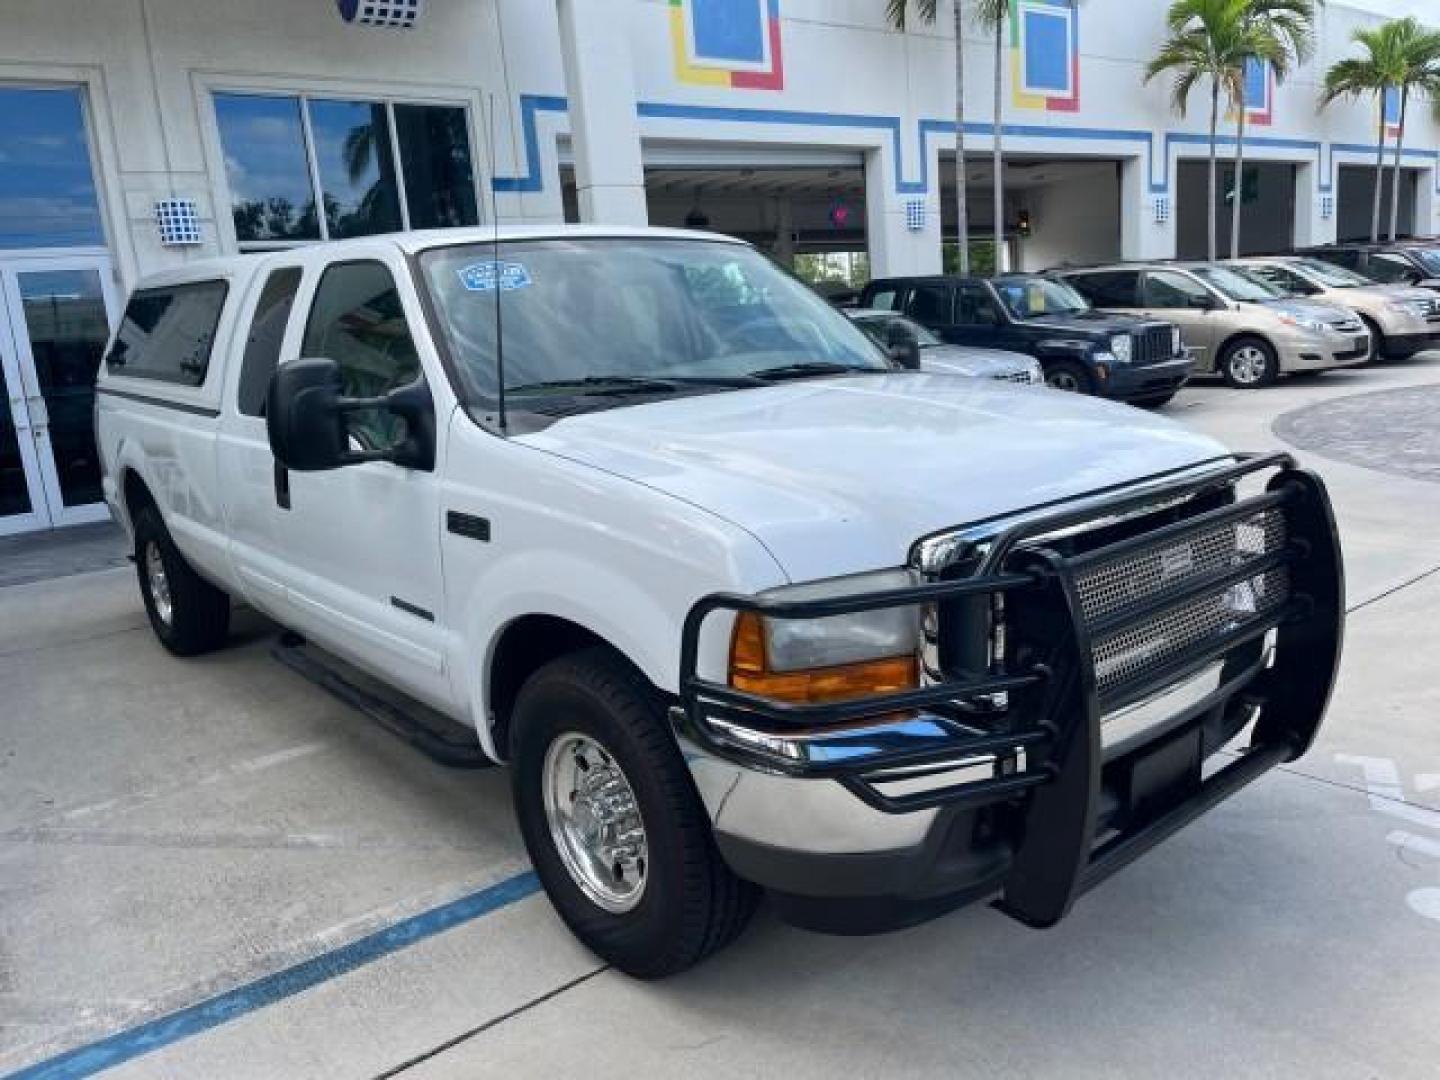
167, 333
977, 307
1348, 259
262, 344
1113, 289
357, 320
1284, 279
1167, 289
930, 305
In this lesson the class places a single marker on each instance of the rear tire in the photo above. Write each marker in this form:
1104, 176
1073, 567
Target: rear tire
188, 614
1249, 363
1068, 376
679, 902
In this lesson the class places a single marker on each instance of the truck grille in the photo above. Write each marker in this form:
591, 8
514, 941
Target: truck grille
1153, 581
1152, 345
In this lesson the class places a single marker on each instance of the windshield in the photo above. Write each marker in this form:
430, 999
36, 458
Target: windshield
594, 316
1237, 284
1332, 276
1032, 297
1428, 258
877, 328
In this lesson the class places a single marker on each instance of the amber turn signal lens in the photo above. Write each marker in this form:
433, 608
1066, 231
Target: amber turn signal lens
750, 672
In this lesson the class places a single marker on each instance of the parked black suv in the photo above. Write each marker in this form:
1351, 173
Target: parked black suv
1404, 262
1116, 356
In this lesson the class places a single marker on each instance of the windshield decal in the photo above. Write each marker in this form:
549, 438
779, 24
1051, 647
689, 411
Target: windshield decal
483, 276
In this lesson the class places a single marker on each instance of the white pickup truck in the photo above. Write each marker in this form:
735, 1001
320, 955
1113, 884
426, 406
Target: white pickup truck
742, 601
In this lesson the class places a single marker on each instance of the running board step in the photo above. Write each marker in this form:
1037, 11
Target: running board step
438, 737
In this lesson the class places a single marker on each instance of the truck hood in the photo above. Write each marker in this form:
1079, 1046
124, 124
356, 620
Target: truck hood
839, 475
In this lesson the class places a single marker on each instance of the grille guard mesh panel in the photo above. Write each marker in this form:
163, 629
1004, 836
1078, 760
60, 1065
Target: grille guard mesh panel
1124, 656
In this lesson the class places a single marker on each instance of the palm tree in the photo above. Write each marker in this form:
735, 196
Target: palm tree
927, 9
1207, 42
1420, 73
993, 15
1282, 31
1381, 68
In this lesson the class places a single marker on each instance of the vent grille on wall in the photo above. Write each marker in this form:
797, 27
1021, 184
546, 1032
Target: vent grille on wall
178, 221
385, 14
915, 215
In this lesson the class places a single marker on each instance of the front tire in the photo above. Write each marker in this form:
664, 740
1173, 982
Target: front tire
188, 614
1068, 376
612, 821
1379, 347
1249, 363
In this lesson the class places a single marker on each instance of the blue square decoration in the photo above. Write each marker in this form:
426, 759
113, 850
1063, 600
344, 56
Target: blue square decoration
731, 30
1047, 50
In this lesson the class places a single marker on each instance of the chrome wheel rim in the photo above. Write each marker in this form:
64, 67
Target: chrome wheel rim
1063, 380
159, 583
595, 822
1248, 364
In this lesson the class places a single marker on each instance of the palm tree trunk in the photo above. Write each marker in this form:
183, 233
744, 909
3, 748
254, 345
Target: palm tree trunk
1213, 216
998, 153
1379, 175
962, 205
1399, 151
1239, 183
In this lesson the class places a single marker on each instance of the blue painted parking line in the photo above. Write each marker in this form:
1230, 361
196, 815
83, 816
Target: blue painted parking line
193, 1019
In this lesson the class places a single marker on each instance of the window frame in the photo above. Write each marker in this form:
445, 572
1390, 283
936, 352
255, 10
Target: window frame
303, 94
263, 278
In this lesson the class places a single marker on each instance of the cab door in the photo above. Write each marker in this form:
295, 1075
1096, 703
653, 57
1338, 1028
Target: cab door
1178, 298
356, 550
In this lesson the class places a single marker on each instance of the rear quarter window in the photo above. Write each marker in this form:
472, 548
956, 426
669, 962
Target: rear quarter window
168, 332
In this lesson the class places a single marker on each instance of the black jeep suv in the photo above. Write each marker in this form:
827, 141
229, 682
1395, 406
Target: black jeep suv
1115, 356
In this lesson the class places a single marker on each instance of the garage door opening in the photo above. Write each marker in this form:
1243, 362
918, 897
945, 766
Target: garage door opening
808, 216
1355, 201
1058, 211
1267, 208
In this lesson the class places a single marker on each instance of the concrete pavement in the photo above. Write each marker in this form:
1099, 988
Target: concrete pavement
171, 831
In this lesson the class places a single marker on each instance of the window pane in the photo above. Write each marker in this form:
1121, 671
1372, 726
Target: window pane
357, 320
435, 162
264, 145
1164, 289
357, 174
267, 333
47, 192
930, 304
167, 333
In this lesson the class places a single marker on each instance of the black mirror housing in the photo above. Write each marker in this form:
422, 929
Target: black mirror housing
305, 419
904, 346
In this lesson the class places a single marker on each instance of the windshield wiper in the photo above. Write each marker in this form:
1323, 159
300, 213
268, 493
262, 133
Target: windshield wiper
801, 371
601, 385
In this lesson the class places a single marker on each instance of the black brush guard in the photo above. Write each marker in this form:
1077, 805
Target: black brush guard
1047, 741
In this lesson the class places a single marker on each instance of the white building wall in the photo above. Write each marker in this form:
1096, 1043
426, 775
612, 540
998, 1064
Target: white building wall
849, 81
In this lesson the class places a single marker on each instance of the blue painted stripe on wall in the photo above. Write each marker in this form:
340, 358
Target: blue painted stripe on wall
533, 181
233, 1004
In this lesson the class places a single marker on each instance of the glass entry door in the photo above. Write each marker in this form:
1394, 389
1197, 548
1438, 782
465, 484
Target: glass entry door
55, 317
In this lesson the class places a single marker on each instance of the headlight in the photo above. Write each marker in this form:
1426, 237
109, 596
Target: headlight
837, 658
1177, 343
1314, 326
1120, 347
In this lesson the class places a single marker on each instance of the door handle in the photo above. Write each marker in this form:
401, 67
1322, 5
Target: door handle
19, 415
282, 486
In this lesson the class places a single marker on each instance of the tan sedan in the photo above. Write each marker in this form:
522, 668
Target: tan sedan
1402, 320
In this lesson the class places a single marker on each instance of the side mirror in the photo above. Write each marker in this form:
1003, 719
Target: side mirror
904, 346
305, 420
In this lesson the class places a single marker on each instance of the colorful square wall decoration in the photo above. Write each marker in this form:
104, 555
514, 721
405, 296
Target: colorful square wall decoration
729, 43
1259, 93
1045, 55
